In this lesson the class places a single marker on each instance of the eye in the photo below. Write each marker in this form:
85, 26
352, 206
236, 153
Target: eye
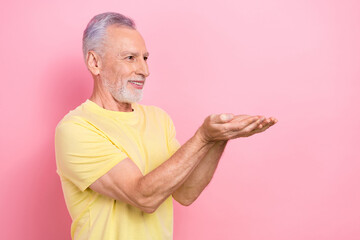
130, 57
146, 58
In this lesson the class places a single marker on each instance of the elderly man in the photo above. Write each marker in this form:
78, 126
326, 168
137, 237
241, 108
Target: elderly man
119, 162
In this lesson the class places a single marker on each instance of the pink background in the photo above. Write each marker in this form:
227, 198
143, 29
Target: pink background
296, 60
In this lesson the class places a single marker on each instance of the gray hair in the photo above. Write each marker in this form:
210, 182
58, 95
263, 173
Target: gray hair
95, 32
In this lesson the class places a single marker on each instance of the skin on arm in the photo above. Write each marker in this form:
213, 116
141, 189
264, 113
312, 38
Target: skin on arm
126, 183
189, 191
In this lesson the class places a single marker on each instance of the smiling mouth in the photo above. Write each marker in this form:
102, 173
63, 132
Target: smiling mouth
137, 84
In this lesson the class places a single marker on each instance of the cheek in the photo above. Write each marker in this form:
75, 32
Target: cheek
118, 73
126, 69
124, 72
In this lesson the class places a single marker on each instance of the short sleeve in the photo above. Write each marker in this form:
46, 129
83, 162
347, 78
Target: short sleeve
173, 143
84, 153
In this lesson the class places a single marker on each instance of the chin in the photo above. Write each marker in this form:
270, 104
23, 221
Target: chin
129, 99
127, 96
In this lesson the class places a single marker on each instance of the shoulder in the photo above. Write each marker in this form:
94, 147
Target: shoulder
78, 119
72, 117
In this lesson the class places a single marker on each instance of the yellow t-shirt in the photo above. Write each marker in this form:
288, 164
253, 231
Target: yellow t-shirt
89, 141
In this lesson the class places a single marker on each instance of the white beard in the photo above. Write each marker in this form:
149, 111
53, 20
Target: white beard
122, 93
125, 95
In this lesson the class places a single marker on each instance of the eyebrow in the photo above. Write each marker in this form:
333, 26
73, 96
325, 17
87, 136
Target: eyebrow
133, 53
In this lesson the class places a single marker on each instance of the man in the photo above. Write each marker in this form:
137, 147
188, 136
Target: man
119, 162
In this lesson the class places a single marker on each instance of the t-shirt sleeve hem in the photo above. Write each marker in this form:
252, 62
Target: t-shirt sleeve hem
101, 173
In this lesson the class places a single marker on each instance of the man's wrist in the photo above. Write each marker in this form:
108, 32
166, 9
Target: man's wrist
222, 142
201, 138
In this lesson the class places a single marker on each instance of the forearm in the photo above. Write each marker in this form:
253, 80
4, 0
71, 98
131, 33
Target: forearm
189, 170
160, 183
201, 176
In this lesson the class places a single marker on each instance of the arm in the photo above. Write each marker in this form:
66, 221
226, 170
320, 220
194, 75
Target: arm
190, 190
126, 183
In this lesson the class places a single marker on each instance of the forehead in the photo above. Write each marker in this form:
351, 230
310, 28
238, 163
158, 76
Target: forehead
124, 38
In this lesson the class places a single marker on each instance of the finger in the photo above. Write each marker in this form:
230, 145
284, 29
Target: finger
221, 118
236, 126
264, 123
262, 129
249, 128
240, 117
270, 121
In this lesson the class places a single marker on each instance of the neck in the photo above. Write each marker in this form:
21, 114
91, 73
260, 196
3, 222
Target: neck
105, 100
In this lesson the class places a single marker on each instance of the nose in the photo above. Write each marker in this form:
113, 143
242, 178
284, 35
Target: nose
142, 68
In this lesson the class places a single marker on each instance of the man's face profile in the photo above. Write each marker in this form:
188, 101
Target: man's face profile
124, 69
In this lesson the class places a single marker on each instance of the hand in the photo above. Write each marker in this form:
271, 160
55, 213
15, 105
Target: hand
220, 127
257, 127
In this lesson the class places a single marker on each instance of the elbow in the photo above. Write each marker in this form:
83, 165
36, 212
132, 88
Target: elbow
185, 201
188, 201
148, 204
148, 210
146, 201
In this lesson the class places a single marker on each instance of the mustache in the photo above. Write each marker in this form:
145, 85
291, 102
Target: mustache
137, 78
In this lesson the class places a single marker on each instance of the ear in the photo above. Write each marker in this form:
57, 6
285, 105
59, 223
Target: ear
93, 62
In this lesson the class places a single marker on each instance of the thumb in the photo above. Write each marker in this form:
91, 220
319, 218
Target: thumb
226, 117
